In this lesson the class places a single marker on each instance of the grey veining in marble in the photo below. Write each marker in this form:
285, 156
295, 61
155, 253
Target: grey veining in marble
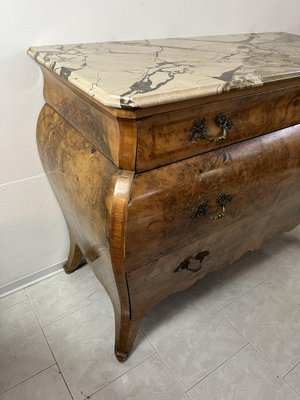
83, 346
23, 348
47, 385
246, 376
151, 72
270, 321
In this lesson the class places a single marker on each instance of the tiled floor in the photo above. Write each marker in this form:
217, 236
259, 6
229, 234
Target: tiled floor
233, 336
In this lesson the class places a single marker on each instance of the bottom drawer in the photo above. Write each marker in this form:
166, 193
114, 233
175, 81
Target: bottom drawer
274, 209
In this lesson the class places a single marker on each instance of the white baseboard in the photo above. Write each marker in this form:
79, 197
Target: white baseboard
31, 279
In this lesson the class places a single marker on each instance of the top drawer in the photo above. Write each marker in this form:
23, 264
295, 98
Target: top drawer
173, 136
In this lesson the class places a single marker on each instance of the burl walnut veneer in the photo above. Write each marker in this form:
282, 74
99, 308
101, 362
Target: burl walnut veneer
170, 158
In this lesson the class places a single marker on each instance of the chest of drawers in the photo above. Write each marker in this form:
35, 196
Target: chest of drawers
170, 158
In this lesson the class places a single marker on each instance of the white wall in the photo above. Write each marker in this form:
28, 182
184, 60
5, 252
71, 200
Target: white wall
33, 235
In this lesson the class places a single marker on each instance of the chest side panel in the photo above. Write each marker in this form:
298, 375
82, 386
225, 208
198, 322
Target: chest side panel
114, 137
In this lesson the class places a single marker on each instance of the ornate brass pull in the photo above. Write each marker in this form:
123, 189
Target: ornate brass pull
199, 129
201, 208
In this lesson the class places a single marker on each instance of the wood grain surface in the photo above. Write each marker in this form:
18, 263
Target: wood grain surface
163, 139
261, 175
92, 194
114, 137
132, 188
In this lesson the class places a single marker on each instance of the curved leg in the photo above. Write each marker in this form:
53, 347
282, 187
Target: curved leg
75, 259
126, 331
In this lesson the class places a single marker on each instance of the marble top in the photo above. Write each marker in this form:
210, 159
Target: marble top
151, 72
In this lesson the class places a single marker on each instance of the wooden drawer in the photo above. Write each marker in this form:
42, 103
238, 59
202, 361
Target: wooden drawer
182, 268
173, 136
261, 176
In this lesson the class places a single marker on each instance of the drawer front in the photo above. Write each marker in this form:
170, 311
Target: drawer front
182, 268
178, 204
173, 136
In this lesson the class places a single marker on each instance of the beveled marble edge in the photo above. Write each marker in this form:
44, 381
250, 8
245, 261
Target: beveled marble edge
140, 74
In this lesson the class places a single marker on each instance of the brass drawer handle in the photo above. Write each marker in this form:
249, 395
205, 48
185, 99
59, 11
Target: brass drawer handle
201, 208
199, 129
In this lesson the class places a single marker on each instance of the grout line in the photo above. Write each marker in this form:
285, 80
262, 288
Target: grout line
63, 378
57, 362
109, 383
296, 391
256, 350
79, 307
180, 383
263, 357
291, 369
283, 290
220, 365
163, 361
274, 369
238, 298
22, 180
27, 379
14, 304
161, 358
252, 345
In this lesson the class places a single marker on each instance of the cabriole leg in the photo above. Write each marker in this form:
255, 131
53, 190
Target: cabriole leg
126, 331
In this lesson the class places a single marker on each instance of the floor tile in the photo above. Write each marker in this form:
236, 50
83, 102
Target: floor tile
12, 299
293, 378
23, 348
270, 321
64, 293
283, 267
47, 385
83, 345
191, 336
148, 381
246, 376
225, 286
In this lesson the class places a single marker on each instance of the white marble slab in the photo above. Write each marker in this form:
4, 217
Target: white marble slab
151, 72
